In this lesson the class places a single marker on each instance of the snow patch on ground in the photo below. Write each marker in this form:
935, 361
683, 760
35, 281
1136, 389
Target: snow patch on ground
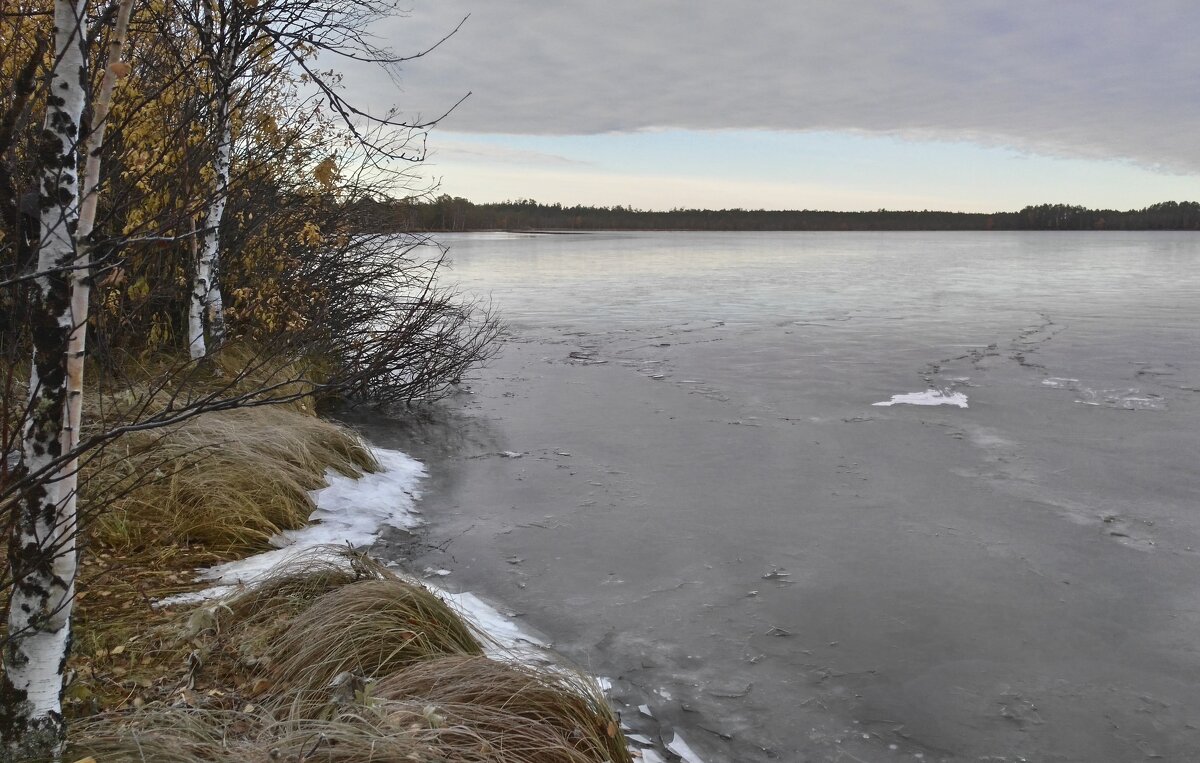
928, 397
511, 641
350, 511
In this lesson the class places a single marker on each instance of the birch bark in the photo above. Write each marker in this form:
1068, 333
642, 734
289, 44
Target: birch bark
81, 282
41, 545
207, 304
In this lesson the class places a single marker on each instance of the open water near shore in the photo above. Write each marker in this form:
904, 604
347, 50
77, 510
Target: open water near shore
709, 508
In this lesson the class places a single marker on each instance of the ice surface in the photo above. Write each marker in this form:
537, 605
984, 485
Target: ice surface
928, 397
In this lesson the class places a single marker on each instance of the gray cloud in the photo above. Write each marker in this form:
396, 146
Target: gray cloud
1091, 78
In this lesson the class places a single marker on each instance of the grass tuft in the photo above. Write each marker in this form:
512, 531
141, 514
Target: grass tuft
368, 628
380, 731
228, 481
519, 709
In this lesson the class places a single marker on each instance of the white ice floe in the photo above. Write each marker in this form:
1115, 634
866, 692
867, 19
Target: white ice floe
928, 397
681, 748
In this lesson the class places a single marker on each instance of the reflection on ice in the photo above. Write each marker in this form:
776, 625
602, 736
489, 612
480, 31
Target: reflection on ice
1130, 398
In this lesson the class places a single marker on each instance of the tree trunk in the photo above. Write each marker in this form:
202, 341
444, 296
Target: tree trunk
207, 304
81, 283
41, 552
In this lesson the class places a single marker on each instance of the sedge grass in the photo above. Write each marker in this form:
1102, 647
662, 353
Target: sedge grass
368, 628
513, 707
381, 731
226, 480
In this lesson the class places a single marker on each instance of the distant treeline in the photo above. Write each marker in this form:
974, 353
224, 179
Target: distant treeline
446, 213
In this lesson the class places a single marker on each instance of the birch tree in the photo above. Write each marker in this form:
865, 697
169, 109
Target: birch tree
42, 551
247, 44
222, 44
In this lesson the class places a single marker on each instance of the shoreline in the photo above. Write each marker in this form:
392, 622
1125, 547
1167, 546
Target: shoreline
218, 624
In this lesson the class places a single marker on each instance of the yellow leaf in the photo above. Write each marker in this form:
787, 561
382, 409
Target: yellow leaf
326, 172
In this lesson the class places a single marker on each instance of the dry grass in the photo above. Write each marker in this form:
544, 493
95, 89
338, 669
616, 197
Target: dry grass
227, 481
323, 613
378, 732
531, 714
330, 614
296, 584
368, 628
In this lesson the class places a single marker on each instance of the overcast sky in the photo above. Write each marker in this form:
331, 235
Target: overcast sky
834, 104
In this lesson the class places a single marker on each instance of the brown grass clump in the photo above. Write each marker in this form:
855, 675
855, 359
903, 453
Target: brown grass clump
380, 731
337, 613
207, 736
528, 713
367, 628
293, 586
162, 736
228, 480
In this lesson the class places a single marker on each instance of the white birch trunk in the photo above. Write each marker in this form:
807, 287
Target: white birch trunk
41, 550
207, 305
81, 283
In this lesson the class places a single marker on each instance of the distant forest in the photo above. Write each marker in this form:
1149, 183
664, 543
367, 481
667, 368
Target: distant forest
446, 213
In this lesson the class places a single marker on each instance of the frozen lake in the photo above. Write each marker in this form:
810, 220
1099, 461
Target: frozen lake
711, 507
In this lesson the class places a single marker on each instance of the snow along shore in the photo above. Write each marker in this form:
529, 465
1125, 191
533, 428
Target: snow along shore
352, 511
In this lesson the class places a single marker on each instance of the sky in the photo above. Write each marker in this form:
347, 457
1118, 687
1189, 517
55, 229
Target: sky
969, 105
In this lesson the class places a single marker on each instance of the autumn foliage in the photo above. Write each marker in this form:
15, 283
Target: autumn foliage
295, 270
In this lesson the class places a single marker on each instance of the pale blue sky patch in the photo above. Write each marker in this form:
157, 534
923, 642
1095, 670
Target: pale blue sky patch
661, 169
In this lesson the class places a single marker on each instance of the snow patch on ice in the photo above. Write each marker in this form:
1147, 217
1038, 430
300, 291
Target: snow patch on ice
928, 397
